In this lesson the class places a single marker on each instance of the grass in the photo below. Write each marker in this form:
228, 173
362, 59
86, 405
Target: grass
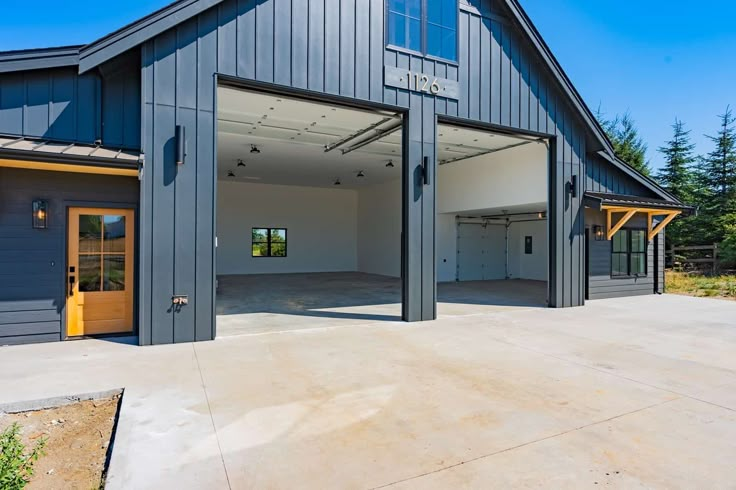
701, 285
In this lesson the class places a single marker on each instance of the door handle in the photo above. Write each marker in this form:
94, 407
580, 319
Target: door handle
71, 285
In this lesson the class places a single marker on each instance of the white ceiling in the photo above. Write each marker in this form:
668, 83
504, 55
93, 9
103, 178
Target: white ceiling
456, 143
292, 135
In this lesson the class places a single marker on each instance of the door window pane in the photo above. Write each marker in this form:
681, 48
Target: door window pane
89, 273
114, 273
638, 241
638, 264
90, 233
114, 227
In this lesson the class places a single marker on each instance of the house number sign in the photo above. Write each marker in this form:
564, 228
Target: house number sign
420, 82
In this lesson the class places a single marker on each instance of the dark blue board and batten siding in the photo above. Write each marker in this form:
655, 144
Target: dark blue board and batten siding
61, 105
32, 262
334, 47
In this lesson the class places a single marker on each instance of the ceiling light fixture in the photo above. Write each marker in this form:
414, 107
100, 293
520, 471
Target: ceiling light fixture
390, 164
360, 174
230, 173
254, 149
241, 163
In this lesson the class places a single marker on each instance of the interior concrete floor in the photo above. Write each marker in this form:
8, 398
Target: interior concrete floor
267, 303
626, 393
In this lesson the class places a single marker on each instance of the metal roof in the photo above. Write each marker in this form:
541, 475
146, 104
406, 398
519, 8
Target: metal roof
599, 199
39, 149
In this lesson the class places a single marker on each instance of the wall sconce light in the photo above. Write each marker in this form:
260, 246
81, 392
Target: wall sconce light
572, 186
254, 149
598, 233
40, 214
181, 149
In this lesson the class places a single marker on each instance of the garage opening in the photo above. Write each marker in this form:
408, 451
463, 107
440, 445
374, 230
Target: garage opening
492, 205
308, 213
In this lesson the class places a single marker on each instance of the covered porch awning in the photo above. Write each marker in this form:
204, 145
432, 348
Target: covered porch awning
44, 154
628, 206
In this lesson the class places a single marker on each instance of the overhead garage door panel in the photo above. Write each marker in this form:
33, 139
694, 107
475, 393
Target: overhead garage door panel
481, 252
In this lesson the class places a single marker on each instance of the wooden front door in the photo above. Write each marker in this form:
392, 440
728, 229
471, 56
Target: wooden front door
99, 271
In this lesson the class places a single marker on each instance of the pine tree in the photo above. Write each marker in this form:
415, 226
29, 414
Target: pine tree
677, 176
678, 179
718, 169
627, 144
717, 179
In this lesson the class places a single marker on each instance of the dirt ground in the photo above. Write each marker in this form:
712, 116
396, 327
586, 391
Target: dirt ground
78, 437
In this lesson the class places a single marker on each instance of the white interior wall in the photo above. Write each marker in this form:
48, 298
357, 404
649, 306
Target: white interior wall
513, 177
321, 225
379, 229
528, 266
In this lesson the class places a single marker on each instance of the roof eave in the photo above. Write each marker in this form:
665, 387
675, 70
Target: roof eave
36, 59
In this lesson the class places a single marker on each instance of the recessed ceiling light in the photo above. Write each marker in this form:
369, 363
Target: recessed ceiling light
241, 163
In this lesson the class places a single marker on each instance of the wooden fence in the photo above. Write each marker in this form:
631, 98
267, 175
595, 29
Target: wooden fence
703, 257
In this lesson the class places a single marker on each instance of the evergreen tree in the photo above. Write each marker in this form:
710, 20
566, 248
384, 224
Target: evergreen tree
717, 179
677, 176
627, 144
678, 179
718, 169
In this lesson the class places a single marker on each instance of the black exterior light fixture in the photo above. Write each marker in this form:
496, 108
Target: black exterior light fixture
254, 149
360, 174
337, 182
390, 164
241, 163
598, 233
40, 214
181, 144
230, 173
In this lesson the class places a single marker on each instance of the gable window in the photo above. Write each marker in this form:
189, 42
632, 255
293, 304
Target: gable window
629, 253
424, 26
268, 242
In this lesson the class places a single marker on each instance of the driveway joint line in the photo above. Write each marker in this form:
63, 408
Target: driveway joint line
528, 443
212, 418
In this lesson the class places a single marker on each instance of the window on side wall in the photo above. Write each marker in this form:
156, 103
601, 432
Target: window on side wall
268, 242
425, 26
629, 253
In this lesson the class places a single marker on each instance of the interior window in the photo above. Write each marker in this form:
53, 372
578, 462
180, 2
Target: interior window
268, 242
425, 26
629, 253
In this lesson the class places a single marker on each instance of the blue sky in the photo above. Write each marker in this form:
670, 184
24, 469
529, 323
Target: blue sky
658, 59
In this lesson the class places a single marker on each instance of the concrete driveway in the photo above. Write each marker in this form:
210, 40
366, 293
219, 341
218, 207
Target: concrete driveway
637, 392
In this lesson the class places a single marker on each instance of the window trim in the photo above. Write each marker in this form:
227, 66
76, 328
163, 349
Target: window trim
423, 28
629, 253
269, 256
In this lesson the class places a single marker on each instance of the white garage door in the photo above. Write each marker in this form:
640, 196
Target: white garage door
481, 252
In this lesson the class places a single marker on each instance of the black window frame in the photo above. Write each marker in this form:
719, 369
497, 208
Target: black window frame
269, 242
423, 22
629, 253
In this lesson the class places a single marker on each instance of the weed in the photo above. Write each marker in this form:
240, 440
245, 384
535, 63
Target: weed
16, 463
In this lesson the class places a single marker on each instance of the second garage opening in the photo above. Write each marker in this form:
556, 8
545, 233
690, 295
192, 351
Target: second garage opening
492, 222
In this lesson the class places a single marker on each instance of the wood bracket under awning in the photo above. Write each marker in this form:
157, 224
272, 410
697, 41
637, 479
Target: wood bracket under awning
629, 213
